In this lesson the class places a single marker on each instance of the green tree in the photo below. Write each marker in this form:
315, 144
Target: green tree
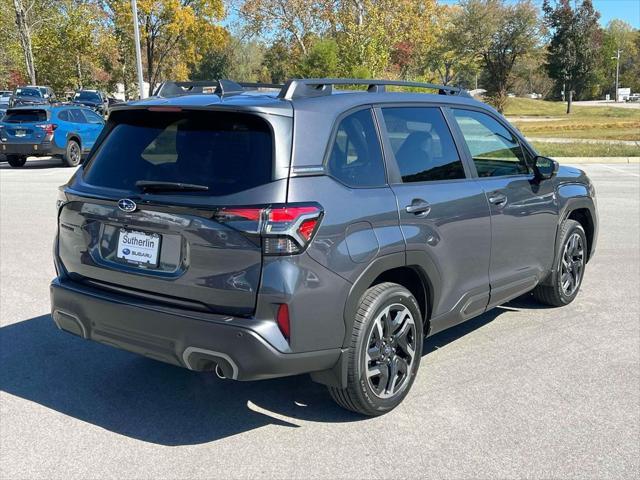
290, 20
619, 36
530, 75
499, 34
573, 50
12, 64
72, 22
450, 56
321, 60
278, 62
237, 59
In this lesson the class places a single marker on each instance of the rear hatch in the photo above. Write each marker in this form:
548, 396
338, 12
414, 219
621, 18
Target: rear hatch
151, 213
25, 126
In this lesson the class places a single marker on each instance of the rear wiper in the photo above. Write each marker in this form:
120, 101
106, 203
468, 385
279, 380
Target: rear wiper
152, 185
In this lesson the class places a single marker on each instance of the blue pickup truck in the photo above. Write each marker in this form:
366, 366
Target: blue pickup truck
66, 131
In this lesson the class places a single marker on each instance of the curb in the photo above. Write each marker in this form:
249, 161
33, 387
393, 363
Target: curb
634, 160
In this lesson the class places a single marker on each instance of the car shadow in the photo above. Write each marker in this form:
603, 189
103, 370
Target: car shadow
35, 163
156, 402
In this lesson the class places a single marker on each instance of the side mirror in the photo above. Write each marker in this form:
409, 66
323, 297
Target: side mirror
545, 168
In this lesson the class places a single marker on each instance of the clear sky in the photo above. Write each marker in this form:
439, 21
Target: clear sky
627, 10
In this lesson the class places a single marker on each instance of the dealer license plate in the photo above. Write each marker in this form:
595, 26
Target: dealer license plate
138, 247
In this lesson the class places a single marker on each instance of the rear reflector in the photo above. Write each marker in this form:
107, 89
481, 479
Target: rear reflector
283, 320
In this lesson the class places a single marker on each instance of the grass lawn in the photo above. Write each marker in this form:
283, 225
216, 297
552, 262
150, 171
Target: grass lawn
600, 123
585, 150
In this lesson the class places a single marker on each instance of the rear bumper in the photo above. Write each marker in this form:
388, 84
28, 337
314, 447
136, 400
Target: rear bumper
176, 336
29, 149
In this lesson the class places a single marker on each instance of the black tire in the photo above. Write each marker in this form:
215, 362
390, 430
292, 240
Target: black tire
73, 153
568, 271
368, 394
16, 161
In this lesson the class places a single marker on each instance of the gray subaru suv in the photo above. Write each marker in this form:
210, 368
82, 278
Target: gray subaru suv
318, 228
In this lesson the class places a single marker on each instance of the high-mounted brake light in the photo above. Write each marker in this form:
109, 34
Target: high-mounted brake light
164, 109
285, 230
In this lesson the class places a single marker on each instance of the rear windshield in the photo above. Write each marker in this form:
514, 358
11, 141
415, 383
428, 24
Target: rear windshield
25, 116
28, 92
226, 152
93, 96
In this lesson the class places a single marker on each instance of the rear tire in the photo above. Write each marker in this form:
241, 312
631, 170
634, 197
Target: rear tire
73, 154
568, 270
16, 161
385, 351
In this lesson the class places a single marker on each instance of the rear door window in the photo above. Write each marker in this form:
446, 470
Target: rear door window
422, 144
25, 116
227, 152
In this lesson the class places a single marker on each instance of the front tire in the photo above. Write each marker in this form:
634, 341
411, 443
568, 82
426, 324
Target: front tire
73, 154
568, 271
16, 161
384, 353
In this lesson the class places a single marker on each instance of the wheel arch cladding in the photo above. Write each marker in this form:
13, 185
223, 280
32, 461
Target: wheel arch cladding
76, 138
414, 280
584, 218
391, 268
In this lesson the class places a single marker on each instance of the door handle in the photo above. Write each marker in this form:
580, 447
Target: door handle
418, 207
498, 199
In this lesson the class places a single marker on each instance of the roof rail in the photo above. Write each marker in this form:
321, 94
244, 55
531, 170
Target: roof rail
220, 87
317, 87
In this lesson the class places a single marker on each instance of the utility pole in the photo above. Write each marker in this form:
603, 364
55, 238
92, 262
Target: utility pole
617, 57
136, 34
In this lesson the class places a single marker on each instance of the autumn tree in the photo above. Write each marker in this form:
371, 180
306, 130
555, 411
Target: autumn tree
573, 49
172, 30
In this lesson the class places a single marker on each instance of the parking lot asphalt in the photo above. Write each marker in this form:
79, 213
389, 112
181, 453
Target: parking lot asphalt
522, 391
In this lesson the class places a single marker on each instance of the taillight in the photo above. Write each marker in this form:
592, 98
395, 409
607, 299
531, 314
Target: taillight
48, 128
285, 230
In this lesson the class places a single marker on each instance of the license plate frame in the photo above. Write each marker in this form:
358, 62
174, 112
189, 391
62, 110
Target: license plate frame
20, 133
135, 250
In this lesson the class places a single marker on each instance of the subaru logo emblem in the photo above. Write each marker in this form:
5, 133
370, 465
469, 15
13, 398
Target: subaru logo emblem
127, 205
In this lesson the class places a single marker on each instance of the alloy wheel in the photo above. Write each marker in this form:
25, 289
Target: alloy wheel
74, 153
572, 264
391, 348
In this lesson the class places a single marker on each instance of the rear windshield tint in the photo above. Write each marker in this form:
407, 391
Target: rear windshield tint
25, 116
227, 152
28, 92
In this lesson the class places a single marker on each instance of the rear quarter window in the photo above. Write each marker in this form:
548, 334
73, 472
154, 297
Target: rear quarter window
227, 152
356, 157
